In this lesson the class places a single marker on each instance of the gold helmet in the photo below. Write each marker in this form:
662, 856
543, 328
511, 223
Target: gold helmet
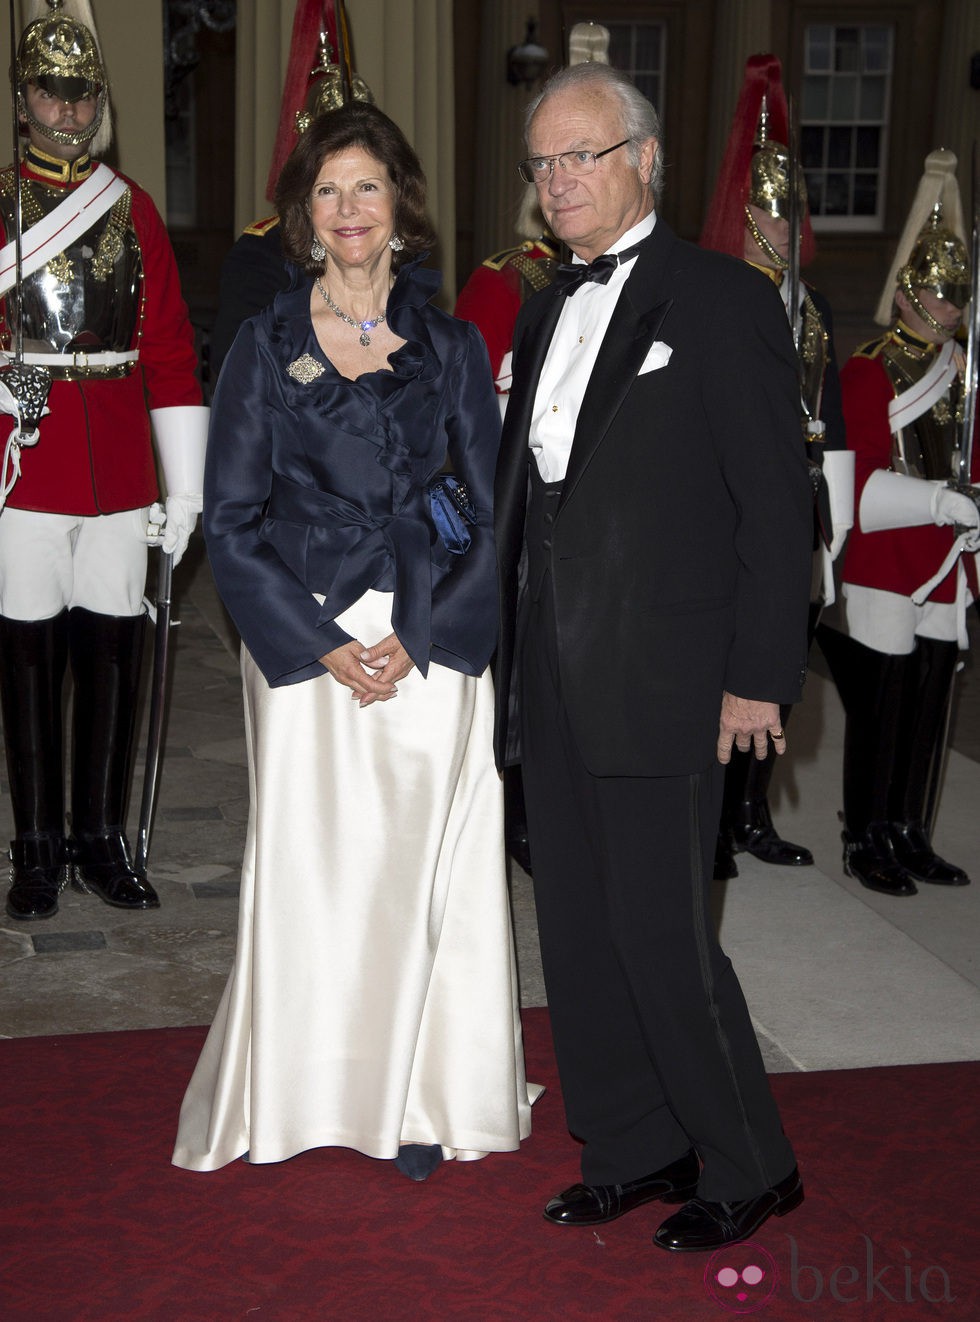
938, 263
59, 52
932, 252
326, 91
769, 171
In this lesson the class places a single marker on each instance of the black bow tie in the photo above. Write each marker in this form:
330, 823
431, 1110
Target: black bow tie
574, 275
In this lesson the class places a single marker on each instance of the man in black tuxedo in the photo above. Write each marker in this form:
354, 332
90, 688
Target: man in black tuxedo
652, 474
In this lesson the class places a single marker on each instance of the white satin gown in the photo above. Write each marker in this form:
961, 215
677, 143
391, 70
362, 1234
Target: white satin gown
373, 998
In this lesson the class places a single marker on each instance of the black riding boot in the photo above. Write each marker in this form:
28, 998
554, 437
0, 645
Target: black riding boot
33, 655
746, 821
751, 825
918, 762
871, 686
106, 651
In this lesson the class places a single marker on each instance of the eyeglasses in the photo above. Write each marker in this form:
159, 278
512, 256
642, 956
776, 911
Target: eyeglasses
538, 169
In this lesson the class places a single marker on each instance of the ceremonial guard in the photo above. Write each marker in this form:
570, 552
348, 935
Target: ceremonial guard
758, 212
909, 572
91, 293
254, 270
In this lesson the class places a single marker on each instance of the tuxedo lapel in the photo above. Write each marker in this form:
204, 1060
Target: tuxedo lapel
531, 348
636, 322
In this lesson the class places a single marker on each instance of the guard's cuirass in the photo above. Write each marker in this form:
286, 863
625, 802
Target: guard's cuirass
86, 299
925, 448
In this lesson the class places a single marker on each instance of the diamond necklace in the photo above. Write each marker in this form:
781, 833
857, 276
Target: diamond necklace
362, 326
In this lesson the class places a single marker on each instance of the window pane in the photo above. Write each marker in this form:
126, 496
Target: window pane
816, 97
838, 195
814, 193
647, 46
843, 100
818, 41
877, 50
867, 154
872, 99
811, 147
865, 195
847, 49
839, 148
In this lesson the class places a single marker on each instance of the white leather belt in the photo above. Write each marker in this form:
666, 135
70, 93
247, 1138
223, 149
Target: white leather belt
78, 360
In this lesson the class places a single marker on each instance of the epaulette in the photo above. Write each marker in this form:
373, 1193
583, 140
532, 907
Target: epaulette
872, 348
500, 259
261, 227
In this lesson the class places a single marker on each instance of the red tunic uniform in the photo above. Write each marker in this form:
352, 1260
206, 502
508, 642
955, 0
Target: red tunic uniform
492, 296
898, 560
95, 455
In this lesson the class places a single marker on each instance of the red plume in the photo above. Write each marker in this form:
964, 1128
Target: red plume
724, 226
312, 17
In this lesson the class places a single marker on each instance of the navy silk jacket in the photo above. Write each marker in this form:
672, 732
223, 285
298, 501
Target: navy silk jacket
321, 486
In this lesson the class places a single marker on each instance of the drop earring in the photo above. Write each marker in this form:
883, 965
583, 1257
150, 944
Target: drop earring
395, 243
317, 250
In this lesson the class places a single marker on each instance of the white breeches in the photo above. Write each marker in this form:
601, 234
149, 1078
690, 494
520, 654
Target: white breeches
51, 562
889, 622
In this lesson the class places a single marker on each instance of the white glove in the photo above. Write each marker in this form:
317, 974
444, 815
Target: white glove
838, 471
181, 434
950, 506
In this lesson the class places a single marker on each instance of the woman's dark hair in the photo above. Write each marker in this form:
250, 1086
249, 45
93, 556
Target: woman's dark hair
356, 125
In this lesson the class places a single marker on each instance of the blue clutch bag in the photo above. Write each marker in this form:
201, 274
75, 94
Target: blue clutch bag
451, 513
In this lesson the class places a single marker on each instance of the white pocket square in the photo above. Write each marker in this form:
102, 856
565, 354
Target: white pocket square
657, 356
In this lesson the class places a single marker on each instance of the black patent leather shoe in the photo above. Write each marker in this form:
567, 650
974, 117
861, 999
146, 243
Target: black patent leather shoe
101, 865
912, 849
700, 1226
37, 876
870, 859
591, 1204
418, 1160
755, 834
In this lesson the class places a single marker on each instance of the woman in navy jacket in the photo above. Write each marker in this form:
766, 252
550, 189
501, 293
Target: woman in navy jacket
372, 1002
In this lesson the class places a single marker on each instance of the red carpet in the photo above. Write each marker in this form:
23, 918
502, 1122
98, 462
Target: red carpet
96, 1225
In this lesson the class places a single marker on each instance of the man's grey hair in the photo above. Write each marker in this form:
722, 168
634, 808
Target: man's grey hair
639, 117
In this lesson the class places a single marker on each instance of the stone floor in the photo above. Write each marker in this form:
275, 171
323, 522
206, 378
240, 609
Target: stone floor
835, 975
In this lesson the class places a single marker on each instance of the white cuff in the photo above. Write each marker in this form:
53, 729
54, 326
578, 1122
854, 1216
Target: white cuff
838, 469
895, 500
181, 435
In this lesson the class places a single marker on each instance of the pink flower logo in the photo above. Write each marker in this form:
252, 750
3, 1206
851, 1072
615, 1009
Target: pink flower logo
741, 1277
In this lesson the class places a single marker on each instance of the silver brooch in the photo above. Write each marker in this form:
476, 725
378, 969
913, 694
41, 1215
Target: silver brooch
305, 369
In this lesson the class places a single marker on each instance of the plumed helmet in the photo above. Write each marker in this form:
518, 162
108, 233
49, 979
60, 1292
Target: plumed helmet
59, 52
939, 263
932, 251
755, 167
326, 90
588, 43
58, 46
769, 171
314, 84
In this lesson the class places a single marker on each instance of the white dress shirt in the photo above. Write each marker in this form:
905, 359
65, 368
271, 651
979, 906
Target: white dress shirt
568, 367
